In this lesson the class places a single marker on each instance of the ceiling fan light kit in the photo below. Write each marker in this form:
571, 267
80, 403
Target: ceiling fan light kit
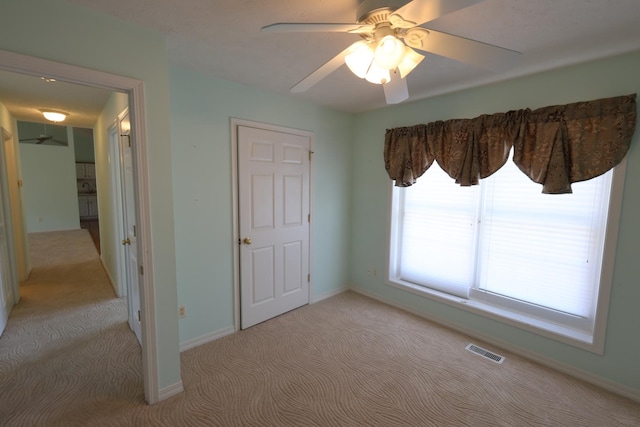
389, 52
410, 60
377, 75
391, 30
359, 58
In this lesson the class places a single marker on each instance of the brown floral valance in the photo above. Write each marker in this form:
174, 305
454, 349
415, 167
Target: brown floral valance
554, 146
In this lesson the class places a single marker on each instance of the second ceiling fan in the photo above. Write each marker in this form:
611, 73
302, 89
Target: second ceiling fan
391, 32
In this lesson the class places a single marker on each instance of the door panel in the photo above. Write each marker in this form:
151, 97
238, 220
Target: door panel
262, 275
262, 198
292, 262
293, 199
129, 221
273, 185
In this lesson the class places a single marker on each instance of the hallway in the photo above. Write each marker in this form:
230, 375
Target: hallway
68, 328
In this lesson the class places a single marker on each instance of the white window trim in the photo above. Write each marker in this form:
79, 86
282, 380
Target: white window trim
593, 343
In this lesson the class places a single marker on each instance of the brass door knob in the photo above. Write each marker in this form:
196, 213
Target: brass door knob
126, 241
246, 241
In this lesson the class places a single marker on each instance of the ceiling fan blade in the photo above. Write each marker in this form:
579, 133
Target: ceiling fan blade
299, 27
322, 72
418, 12
29, 139
469, 51
395, 90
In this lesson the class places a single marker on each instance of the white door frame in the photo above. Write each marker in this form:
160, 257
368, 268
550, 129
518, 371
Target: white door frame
235, 248
23, 64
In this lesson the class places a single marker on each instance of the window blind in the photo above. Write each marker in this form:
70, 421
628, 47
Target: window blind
506, 243
542, 249
438, 233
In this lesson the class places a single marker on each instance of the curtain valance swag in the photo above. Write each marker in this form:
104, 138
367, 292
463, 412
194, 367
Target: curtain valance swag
554, 146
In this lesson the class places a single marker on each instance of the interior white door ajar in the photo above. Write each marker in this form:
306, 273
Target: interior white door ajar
130, 241
273, 185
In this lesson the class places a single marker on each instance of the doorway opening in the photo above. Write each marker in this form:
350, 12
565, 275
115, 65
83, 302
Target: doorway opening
13, 62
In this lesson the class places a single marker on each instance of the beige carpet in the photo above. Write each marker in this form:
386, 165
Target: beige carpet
67, 350
346, 361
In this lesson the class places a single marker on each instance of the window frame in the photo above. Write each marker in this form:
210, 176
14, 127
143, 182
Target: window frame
592, 342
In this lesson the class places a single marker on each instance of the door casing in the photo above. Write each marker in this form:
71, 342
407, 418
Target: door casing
33, 66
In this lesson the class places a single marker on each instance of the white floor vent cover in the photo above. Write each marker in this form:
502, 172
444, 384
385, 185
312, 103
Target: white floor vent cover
485, 353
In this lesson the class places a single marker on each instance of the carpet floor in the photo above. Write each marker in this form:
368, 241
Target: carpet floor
68, 358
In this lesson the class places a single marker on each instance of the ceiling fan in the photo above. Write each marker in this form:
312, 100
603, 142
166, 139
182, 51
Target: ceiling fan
391, 30
44, 138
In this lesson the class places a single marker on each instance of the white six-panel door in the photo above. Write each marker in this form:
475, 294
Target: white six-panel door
273, 185
130, 240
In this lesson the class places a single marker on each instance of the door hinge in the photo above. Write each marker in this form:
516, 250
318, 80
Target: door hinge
309, 278
310, 154
139, 316
134, 232
141, 270
309, 218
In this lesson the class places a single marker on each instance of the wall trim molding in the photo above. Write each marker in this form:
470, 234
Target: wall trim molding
317, 298
574, 372
215, 335
172, 390
206, 338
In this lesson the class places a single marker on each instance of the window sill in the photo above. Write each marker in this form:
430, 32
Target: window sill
529, 323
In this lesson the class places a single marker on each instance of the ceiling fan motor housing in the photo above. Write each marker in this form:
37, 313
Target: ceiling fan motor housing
376, 11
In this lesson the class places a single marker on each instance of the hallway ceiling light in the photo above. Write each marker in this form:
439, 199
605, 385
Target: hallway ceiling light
53, 115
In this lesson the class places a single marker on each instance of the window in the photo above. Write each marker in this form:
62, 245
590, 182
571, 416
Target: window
506, 250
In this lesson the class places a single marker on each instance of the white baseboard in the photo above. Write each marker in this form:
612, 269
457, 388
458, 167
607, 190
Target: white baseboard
317, 298
171, 390
195, 342
580, 374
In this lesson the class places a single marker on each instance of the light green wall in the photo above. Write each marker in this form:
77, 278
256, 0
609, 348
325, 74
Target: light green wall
50, 192
98, 42
201, 112
606, 78
110, 234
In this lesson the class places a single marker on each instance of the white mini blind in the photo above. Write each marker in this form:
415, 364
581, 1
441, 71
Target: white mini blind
506, 243
438, 233
542, 249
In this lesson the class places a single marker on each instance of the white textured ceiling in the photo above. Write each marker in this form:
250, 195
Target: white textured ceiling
222, 39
